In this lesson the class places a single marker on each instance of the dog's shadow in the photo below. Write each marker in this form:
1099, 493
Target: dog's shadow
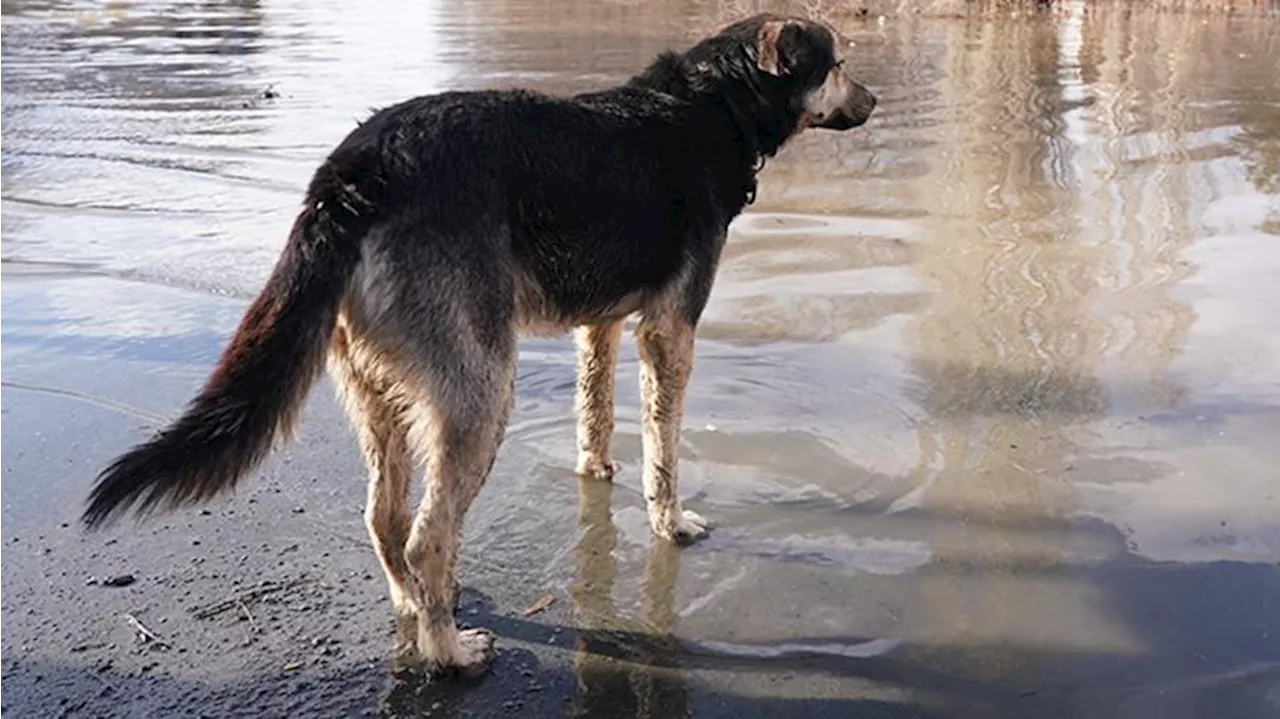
620, 666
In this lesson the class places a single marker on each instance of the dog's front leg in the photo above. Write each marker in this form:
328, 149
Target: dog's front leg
597, 349
665, 346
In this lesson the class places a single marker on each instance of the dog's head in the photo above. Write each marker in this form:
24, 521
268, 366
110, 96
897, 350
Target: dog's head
800, 63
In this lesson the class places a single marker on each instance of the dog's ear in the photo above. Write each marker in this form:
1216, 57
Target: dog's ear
771, 53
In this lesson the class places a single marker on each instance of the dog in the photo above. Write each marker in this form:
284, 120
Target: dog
441, 229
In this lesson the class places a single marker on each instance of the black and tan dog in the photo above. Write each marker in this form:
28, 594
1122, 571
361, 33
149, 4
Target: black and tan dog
441, 229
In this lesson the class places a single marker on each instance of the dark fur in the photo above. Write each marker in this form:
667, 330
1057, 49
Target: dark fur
594, 198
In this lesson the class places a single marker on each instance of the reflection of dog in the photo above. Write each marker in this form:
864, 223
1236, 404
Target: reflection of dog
635, 684
444, 226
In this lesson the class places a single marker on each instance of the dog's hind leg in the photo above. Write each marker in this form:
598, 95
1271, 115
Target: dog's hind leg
377, 412
458, 431
597, 349
665, 344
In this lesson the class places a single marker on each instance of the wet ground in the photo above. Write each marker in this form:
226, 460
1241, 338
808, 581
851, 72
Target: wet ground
986, 402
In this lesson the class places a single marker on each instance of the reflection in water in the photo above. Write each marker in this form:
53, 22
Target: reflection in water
643, 684
988, 385
1004, 355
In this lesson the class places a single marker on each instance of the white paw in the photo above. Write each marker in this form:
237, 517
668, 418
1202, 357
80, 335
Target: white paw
690, 527
591, 467
475, 651
471, 656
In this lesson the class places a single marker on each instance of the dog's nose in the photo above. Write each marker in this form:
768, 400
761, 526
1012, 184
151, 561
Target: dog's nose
863, 103
840, 121
864, 100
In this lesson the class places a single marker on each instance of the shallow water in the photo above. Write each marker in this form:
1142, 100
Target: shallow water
987, 392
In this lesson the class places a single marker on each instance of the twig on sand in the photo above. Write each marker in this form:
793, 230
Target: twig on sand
253, 625
145, 635
543, 602
243, 599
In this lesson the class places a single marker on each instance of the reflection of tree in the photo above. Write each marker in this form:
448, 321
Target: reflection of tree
1006, 353
1144, 78
617, 38
1258, 144
1075, 181
212, 28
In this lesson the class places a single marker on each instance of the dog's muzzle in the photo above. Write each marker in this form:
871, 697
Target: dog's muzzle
852, 113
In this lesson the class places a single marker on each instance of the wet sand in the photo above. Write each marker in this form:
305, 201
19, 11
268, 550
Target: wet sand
984, 408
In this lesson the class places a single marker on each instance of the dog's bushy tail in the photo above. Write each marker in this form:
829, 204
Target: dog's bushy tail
258, 388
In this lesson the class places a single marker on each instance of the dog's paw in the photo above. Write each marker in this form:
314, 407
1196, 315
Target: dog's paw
475, 652
590, 467
406, 659
688, 528
691, 527
470, 656
405, 653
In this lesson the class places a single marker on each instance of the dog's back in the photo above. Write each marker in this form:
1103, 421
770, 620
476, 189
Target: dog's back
583, 205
